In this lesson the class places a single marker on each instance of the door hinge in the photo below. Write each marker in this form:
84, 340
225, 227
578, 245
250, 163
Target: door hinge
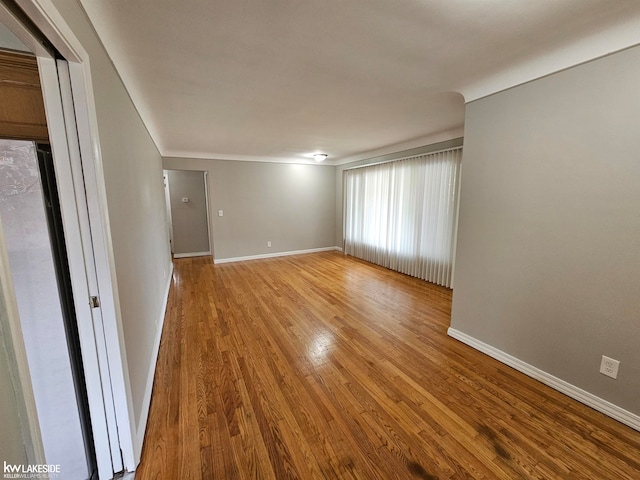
94, 302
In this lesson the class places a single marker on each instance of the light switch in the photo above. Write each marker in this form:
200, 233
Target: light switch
185, 200
220, 212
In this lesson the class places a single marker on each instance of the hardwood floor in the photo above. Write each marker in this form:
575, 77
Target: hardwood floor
323, 366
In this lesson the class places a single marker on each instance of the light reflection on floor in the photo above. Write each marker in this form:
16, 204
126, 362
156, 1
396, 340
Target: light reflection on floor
320, 348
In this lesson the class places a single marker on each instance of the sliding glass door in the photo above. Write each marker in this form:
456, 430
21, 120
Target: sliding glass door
31, 224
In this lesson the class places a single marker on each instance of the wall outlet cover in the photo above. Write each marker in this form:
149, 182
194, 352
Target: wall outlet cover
609, 367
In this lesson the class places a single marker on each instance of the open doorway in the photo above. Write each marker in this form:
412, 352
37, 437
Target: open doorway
187, 212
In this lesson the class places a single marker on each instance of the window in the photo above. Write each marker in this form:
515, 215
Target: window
403, 214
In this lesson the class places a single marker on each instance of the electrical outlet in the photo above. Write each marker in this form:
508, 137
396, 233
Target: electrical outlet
609, 367
268, 244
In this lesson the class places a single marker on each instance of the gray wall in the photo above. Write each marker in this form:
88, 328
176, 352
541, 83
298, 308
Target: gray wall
136, 207
290, 205
189, 220
456, 142
548, 262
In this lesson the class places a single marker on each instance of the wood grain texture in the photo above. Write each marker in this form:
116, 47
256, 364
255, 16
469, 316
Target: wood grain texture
22, 114
321, 366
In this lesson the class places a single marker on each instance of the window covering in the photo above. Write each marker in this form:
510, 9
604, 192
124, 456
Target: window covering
403, 214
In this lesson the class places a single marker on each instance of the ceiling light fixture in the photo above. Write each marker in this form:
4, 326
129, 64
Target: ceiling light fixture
320, 157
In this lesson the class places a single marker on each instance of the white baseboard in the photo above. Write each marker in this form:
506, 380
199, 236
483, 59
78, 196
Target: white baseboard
146, 400
271, 255
192, 254
617, 413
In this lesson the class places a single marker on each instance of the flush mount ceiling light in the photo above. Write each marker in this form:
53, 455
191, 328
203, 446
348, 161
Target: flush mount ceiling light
320, 157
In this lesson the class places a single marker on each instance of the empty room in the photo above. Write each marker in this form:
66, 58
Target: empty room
320, 239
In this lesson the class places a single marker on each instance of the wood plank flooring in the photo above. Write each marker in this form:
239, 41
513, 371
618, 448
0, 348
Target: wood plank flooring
321, 366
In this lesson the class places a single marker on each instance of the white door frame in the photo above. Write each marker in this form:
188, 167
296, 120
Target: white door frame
167, 195
206, 201
167, 201
47, 18
78, 260
84, 214
104, 261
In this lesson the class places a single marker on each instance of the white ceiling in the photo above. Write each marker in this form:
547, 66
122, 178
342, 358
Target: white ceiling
281, 79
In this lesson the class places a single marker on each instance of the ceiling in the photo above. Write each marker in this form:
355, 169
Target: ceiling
277, 80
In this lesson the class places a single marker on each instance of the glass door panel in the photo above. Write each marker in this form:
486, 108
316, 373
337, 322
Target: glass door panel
35, 267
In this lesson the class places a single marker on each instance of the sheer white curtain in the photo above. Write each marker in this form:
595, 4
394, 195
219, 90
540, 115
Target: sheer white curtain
403, 214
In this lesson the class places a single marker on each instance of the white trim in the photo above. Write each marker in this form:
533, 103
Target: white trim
167, 202
9, 20
426, 141
240, 158
206, 203
600, 44
617, 413
271, 255
400, 159
46, 17
146, 400
191, 254
84, 105
338, 160
77, 261
82, 200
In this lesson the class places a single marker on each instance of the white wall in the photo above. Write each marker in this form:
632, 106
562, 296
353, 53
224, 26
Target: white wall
136, 213
292, 206
548, 263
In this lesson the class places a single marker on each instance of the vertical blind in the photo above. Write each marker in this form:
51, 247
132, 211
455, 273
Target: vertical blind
403, 214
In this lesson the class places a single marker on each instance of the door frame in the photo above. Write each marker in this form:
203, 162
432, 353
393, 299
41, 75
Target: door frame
167, 201
167, 194
81, 174
47, 18
78, 258
206, 201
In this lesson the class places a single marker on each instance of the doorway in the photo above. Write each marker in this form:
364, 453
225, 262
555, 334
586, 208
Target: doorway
187, 202
31, 224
